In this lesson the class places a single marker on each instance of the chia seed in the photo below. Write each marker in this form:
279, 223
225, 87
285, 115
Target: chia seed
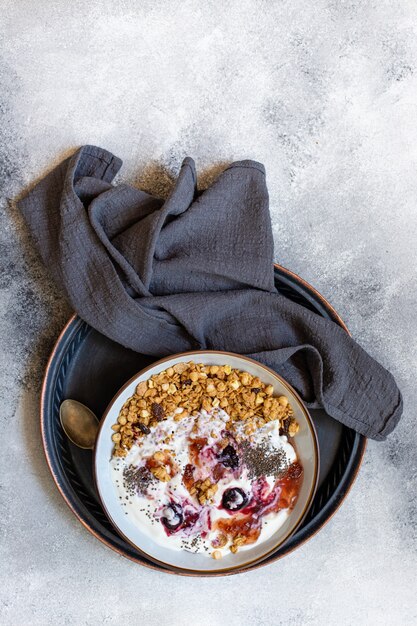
264, 460
137, 479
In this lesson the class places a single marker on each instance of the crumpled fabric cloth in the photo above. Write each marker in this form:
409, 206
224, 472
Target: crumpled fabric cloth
195, 271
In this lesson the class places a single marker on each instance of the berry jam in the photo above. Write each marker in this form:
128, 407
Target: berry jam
247, 521
188, 476
195, 447
244, 526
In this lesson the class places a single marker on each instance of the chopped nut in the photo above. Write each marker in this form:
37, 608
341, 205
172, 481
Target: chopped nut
250, 429
245, 378
179, 368
219, 541
211, 491
293, 428
216, 555
180, 416
239, 540
259, 399
204, 490
283, 400
161, 474
142, 388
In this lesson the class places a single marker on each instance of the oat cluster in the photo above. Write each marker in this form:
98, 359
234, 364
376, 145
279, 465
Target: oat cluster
187, 388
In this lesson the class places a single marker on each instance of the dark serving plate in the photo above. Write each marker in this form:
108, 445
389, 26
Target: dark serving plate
88, 367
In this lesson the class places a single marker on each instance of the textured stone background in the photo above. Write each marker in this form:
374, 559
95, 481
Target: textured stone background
325, 94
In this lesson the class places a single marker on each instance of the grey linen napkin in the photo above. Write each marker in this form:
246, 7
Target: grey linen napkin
195, 271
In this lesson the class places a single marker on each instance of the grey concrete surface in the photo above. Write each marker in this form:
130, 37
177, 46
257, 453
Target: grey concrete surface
325, 94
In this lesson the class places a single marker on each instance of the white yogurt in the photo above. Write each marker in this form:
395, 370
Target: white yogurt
146, 510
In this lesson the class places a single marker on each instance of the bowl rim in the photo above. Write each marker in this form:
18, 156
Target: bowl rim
313, 489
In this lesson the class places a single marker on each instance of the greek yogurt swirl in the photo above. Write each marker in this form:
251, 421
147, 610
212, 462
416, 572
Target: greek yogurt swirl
209, 497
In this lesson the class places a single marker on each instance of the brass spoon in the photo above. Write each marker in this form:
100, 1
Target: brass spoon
79, 423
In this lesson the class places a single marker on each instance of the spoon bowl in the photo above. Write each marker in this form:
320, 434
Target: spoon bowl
79, 423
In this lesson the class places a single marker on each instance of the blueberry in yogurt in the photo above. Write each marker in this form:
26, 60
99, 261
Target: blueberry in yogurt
228, 457
172, 516
234, 499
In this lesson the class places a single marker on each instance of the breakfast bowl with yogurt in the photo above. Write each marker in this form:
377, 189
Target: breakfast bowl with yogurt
206, 461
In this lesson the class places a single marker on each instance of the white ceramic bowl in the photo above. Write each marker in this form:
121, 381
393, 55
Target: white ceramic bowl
305, 443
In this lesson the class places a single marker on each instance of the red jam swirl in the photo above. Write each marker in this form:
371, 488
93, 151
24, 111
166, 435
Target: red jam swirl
247, 522
195, 447
244, 523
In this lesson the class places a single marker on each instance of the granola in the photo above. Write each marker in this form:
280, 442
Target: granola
187, 388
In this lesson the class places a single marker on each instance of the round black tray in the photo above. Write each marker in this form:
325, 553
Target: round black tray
86, 366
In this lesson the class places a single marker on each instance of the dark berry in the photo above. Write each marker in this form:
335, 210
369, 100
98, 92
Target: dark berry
256, 389
172, 516
228, 457
234, 499
158, 411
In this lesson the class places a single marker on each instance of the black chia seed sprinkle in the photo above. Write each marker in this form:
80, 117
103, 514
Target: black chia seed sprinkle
264, 460
137, 479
